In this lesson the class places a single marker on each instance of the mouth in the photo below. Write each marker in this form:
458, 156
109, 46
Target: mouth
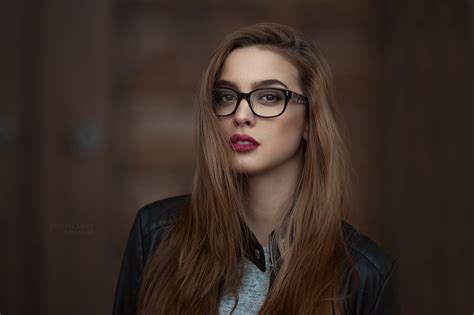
242, 143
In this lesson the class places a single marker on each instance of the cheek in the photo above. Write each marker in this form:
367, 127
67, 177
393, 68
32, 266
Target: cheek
288, 133
225, 126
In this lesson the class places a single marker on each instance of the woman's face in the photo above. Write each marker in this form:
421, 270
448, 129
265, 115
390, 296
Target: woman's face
278, 140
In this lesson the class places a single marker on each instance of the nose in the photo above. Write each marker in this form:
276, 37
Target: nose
244, 115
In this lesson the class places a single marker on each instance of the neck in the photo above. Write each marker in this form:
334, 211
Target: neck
268, 195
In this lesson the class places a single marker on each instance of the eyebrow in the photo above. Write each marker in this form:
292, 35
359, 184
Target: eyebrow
254, 85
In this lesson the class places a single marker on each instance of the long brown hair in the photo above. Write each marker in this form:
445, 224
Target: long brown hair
188, 268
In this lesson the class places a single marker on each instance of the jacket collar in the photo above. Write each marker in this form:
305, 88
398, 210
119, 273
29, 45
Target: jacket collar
254, 252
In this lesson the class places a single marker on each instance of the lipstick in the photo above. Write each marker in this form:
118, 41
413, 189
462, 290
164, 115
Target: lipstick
242, 143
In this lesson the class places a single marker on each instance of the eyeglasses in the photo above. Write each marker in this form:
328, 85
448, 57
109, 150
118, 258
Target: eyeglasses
265, 103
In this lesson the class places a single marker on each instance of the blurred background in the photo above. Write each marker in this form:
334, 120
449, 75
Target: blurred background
97, 120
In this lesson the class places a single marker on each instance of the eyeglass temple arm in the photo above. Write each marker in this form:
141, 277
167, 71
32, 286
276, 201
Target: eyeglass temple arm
298, 98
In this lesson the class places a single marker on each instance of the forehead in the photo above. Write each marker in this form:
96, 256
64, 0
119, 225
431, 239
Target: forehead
244, 66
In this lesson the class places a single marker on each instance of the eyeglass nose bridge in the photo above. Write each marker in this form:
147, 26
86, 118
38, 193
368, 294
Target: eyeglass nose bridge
245, 96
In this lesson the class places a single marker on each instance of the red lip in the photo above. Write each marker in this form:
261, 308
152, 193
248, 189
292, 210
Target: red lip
249, 145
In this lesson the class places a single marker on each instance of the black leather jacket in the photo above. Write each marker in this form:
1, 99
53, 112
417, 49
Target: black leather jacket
377, 284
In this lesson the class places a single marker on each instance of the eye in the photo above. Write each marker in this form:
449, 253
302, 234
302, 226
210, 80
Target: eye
224, 97
228, 98
270, 97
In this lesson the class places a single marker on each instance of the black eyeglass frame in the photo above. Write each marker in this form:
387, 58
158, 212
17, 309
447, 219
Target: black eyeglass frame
298, 98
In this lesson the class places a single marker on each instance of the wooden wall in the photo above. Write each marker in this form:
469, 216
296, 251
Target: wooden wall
97, 119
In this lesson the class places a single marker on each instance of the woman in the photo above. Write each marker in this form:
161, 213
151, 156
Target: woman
262, 231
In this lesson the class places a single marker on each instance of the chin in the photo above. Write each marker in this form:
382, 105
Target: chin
250, 168
247, 170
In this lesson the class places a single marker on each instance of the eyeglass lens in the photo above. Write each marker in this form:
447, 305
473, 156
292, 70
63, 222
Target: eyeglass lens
264, 102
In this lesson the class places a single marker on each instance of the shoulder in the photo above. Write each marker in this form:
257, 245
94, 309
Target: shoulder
367, 254
154, 218
161, 213
376, 274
